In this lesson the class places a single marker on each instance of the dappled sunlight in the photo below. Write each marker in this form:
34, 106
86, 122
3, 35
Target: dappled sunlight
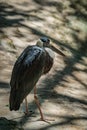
63, 91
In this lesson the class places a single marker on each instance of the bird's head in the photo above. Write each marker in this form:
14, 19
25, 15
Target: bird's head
44, 42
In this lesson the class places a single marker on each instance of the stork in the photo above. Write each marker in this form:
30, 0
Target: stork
34, 61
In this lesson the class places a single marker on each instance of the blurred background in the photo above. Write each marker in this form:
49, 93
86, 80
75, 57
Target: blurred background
63, 91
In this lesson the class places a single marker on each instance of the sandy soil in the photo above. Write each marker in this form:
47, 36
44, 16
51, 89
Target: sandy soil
63, 91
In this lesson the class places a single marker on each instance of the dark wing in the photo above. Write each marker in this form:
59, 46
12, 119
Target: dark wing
26, 72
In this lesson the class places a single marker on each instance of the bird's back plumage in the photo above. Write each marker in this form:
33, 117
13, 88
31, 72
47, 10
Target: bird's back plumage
26, 72
31, 64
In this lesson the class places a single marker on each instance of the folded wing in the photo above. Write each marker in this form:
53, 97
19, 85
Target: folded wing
26, 72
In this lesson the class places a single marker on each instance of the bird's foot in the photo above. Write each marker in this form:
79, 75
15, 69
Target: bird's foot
46, 120
28, 113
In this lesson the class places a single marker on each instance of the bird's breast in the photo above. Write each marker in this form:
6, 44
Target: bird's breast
49, 58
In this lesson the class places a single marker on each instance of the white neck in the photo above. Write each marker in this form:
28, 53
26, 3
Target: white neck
50, 52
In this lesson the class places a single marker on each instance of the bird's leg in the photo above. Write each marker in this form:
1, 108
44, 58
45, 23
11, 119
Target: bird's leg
26, 107
27, 112
37, 102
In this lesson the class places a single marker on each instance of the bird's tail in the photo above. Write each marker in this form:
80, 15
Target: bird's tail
14, 100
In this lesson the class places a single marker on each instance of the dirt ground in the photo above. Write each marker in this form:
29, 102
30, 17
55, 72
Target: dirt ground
63, 91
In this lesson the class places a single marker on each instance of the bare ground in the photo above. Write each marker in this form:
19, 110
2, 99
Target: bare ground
63, 91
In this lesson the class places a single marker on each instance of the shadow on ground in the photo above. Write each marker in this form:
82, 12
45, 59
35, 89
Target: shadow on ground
13, 17
8, 124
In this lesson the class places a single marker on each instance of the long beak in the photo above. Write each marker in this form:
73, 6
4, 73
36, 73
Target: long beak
57, 50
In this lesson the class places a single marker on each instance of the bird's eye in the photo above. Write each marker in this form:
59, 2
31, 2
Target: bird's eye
48, 40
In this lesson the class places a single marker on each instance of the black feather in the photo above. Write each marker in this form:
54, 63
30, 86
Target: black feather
26, 72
